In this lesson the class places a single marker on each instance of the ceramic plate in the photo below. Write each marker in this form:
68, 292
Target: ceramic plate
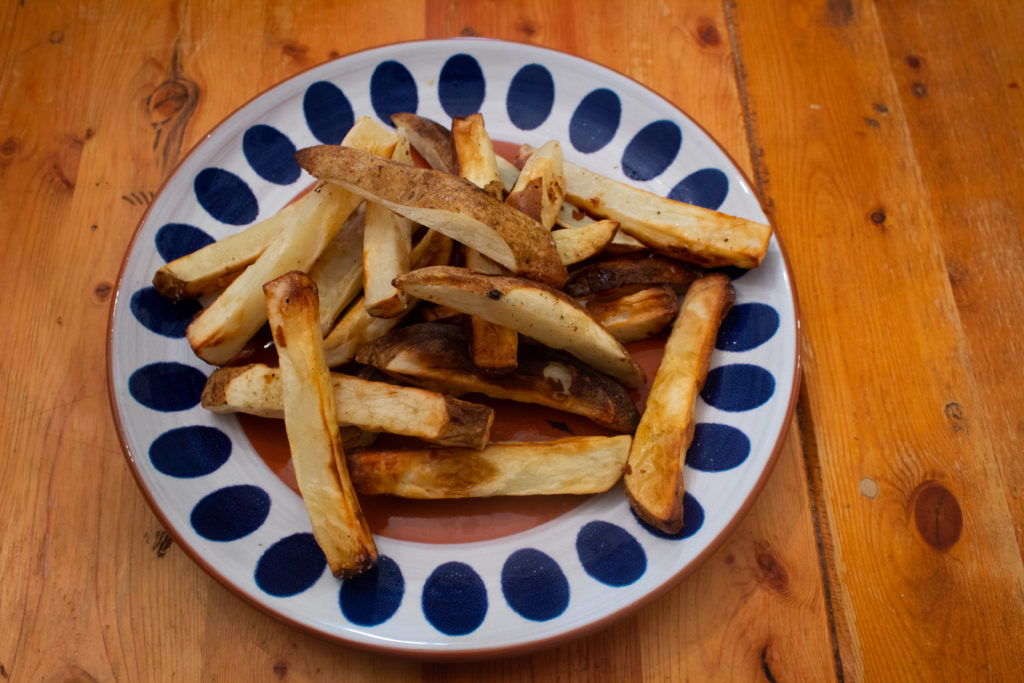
533, 584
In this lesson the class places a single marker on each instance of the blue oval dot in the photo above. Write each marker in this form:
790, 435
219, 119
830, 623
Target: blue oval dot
328, 112
454, 599
230, 513
534, 585
167, 386
271, 154
375, 595
610, 554
693, 520
706, 187
161, 315
392, 90
717, 447
175, 240
290, 566
461, 86
190, 451
595, 121
651, 150
531, 96
738, 387
747, 326
226, 197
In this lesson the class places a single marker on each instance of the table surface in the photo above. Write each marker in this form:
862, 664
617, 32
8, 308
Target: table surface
885, 141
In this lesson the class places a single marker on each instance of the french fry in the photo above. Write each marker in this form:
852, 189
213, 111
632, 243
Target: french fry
357, 327
633, 269
222, 329
370, 406
575, 465
429, 138
450, 205
633, 315
578, 244
435, 356
571, 216
387, 242
532, 309
654, 472
310, 420
540, 186
474, 155
338, 271
684, 231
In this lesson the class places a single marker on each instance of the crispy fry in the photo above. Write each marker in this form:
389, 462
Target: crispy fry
578, 244
448, 204
575, 465
532, 309
338, 271
540, 187
571, 216
432, 140
654, 473
633, 315
634, 269
370, 406
474, 155
310, 421
435, 356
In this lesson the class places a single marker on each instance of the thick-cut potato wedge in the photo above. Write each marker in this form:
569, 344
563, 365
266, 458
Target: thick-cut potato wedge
578, 244
540, 186
446, 203
633, 315
691, 233
338, 271
371, 406
571, 216
654, 473
532, 309
634, 269
474, 155
575, 465
428, 137
310, 420
356, 326
435, 356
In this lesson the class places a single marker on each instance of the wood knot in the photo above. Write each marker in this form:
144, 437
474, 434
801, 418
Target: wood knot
102, 291
913, 61
919, 89
281, 669
937, 515
878, 217
955, 414
169, 98
707, 33
9, 146
772, 573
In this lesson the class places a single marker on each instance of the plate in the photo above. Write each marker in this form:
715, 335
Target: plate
512, 592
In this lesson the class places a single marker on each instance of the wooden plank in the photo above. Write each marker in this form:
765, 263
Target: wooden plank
914, 503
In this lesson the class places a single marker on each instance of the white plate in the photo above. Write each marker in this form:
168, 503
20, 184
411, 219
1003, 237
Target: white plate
558, 580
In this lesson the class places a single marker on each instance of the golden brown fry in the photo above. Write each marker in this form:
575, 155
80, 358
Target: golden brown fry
310, 421
474, 155
633, 315
435, 356
370, 406
429, 138
532, 309
571, 216
654, 473
575, 465
578, 244
540, 187
446, 203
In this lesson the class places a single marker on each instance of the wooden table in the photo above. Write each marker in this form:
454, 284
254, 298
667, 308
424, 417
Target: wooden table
885, 140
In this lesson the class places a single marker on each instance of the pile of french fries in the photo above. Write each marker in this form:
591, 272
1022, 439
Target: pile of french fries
397, 285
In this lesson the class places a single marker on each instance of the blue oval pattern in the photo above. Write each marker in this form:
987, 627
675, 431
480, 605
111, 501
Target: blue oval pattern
534, 585
167, 386
461, 87
375, 595
717, 447
393, 90
175, 240
651, 150
610, 554
747, 326
187, 452
454, 599
290, 566
693, 520
706, 187
231, 513
531, 96
161, 315
738, 387
328, 112
226, 197
595, 120
271, 154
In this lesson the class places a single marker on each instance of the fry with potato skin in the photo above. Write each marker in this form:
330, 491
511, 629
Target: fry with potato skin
540, 186
575, 465
633, 315
310, 419
654, 472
